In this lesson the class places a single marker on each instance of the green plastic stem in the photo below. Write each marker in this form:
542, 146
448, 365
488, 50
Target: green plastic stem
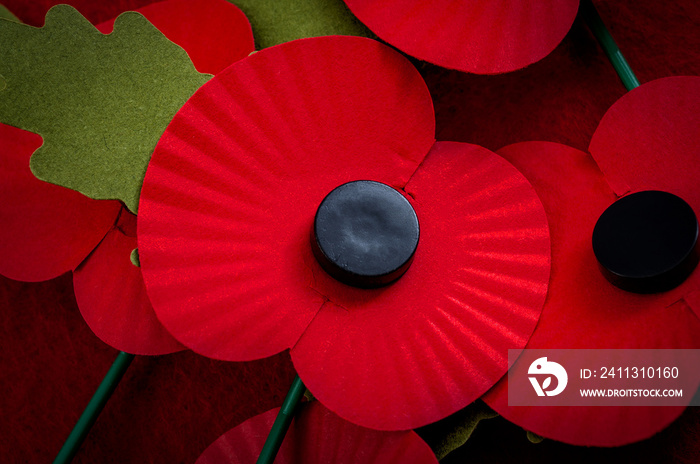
93, 409
595, 23
284, 418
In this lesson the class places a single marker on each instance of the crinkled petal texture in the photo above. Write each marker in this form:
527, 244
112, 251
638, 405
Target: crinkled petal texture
478, 36
227, 212
317, 436
214, 33
583, 310
428, 345
46, 230
112, 297
232, 188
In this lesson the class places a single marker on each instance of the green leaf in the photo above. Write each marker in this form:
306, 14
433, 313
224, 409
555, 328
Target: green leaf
101, 102
275, 22
533, 437
7, 14
448, 434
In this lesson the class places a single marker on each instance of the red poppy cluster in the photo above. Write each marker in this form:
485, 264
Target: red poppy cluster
49, 230
228, 205
646, 141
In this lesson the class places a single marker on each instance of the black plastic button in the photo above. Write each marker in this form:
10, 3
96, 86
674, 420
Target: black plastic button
365, 234
646, 242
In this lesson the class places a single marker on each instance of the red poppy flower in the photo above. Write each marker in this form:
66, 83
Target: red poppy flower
648, 140
318, 436
227, 210
49, 230
478, 36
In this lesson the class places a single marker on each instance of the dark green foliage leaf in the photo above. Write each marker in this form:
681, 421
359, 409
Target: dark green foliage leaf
275, 22
101, 102
453, 431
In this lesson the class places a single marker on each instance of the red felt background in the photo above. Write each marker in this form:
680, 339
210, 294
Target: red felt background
169, 409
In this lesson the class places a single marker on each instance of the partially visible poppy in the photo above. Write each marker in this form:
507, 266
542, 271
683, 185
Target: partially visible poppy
478, 36
227, 212
49, 230
648, 140
317, 436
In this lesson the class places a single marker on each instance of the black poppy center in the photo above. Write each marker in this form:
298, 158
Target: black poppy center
646, 242
365, 234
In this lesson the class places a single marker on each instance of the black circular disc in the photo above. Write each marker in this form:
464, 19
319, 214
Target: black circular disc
646, 242
365, 234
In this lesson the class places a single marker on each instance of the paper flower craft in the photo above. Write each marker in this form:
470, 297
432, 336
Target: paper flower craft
478, 36
648, 140
227, 212
49, 230
317, 436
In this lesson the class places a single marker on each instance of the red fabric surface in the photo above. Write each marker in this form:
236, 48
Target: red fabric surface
583, 310
438, 338
317, 436
479, 36
168, 409
112, 297
46, 229
221, 185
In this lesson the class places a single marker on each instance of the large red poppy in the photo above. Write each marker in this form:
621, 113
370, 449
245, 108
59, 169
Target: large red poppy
318, 436
49, 230
479, 36
648, 140
228, 205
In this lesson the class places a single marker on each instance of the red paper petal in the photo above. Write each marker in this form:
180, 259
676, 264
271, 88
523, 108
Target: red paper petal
112, 298
230, 194
214, 33
479, 36
650, 139
583, 310
46, 229
431, 343
317, 436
